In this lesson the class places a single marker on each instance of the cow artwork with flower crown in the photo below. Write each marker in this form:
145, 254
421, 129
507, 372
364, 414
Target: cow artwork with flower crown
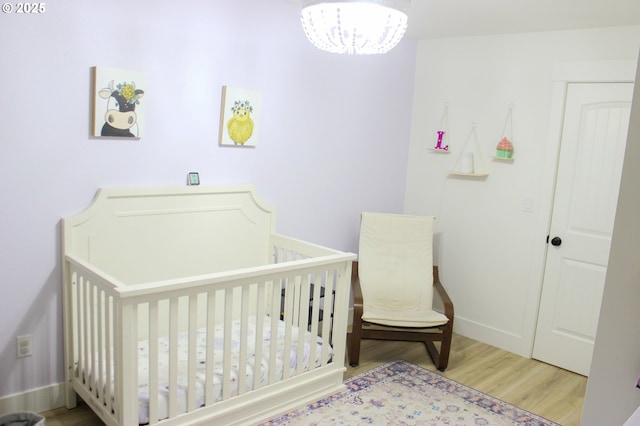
121, 120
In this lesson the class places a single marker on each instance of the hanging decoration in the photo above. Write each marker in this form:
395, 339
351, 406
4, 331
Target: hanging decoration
470, 162
504, 149
442, 143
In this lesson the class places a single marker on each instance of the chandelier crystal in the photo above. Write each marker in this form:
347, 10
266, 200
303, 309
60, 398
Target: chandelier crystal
359, 27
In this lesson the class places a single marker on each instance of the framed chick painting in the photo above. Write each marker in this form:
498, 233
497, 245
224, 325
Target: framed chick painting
239, 117
118, 105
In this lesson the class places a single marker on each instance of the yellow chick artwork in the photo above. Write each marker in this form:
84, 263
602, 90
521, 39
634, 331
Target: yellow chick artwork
240, 125
240, 115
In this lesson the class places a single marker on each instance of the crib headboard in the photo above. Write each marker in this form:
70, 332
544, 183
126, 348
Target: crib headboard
147, 234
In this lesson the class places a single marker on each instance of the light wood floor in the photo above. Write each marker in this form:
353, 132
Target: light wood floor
532, 385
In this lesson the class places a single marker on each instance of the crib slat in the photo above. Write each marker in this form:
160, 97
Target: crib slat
90, 332
173, 357
100, 370
109, 352
193, 340
93, 333
303, 304
327, 323
85, 340
226, 352
275, 320
295, 297
257, 360
127, 365
80, 368
315, 319
243, 351
288, 319
72, 328
153, 362
210, 396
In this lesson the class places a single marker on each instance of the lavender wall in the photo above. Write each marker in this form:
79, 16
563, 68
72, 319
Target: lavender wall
333, 141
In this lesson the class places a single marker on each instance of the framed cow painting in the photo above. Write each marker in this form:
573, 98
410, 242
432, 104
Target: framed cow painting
118, 103
240, 116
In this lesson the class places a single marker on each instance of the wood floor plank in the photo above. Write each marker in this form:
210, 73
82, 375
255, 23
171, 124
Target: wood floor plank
545, 390
540, 388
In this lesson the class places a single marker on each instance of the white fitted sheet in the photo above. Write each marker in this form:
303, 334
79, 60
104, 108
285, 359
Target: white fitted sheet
182, 368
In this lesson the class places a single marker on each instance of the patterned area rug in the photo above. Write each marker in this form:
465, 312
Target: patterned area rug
400, 393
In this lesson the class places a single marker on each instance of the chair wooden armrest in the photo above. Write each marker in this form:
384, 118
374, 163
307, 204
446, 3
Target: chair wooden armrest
444, 296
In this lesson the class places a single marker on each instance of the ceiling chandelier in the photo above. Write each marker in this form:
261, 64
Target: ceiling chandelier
359, 27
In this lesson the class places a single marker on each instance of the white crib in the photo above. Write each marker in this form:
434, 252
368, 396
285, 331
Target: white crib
183, 306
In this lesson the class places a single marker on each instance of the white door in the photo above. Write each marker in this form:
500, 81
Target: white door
594, 134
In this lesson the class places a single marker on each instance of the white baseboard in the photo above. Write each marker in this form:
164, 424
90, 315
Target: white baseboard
36, 400
490, 335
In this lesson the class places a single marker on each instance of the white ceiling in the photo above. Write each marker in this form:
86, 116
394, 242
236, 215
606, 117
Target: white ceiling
453, 18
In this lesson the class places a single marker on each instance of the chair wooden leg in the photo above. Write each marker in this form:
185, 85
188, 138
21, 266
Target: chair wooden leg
445, 347
353, 342
433, 353
440, 357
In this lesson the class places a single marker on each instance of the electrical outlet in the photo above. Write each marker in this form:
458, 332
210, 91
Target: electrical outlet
24, 345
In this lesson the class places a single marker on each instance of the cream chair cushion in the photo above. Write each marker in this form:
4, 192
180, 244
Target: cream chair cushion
396, 270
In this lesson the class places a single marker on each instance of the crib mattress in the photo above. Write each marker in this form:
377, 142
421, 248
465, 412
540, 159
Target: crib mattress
182, 368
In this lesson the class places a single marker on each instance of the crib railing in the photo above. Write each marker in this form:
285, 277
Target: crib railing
306, 287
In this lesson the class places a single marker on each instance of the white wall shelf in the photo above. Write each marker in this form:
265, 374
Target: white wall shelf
439, 151
457, 173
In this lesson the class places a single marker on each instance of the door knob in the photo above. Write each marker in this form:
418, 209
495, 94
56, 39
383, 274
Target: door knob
556, 241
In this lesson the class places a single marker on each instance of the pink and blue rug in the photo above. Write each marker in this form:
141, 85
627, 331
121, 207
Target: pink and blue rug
401, 393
